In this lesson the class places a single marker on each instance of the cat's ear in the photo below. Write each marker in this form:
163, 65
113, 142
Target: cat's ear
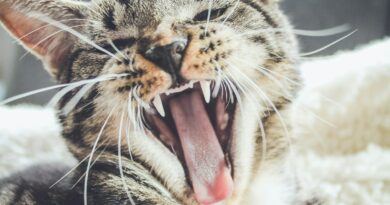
24, 20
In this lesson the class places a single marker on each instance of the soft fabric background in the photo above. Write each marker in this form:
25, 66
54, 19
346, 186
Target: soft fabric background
341, 126
341, 133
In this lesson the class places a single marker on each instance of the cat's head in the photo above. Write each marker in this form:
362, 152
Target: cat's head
187, 81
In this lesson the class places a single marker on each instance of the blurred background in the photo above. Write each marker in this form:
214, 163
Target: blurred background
20, 73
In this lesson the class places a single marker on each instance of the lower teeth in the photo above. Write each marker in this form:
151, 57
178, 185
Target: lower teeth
224, 122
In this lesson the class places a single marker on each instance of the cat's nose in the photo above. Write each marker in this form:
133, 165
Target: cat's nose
168, 57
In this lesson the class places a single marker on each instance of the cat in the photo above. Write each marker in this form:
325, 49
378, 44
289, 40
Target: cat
163, 101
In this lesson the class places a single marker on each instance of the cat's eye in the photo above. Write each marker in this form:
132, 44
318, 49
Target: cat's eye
215, 13
123, 43
119, 44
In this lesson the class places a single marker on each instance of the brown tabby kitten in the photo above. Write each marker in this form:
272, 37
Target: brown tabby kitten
166, 102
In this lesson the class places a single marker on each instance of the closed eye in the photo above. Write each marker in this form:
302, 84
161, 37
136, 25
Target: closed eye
120, 44
215, 13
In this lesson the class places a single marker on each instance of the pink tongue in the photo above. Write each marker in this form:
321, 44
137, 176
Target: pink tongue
203, 154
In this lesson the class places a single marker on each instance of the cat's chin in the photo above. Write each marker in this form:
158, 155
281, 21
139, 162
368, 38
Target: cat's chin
196, 125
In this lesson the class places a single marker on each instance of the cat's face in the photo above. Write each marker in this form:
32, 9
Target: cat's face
192, 80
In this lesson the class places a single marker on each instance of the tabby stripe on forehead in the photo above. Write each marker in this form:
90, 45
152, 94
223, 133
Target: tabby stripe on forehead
258, 8
124, 2
109, 19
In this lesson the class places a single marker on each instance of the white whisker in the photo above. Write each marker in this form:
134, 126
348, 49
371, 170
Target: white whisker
128, 128
73, 32
208, 15
45, 26
131, 112
218, 82
268, 75
324, 32
139, 100
44, 39
116, 49
34, 92
91, 156
279, 75
329, 45
259, 119
93, 11
76, 99
56, 98
264, 139
224, 93
231, 13
232, 90
264, 96
79, 180
285, 92
18, 97
140, 117
120, 159
72, 170
69, 172
93, 163
255, 32
230, 86
318, 117
222, 78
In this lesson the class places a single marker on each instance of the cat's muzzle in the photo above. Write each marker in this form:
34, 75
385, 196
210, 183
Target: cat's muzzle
169, 57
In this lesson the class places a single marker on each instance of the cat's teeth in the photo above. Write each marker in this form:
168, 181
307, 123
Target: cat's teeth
224, 122
159, 106
192, 83
205, 85
179, 89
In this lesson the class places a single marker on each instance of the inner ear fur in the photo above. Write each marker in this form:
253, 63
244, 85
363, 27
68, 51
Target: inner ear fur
48, 42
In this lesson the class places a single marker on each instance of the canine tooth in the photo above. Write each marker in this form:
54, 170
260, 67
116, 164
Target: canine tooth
205, 85
158, 105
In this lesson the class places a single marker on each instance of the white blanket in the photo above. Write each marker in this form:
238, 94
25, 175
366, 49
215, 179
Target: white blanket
342, 126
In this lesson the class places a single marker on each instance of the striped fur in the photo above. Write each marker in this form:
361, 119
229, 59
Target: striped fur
255, 37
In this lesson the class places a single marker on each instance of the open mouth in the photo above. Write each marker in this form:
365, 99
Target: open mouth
197, 128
